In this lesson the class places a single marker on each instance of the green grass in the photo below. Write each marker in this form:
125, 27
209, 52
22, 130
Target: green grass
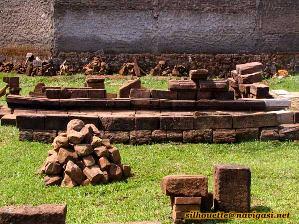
290, 83
275, 176
274, 165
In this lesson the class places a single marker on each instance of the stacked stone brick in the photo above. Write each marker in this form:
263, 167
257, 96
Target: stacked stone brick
187, 193
190, 192
80, 157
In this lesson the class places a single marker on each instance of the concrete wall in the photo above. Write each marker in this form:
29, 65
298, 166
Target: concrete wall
25, 26
177, 26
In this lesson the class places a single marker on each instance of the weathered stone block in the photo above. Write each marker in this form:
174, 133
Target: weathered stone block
118, 123
217, 121
140, 137
46, 136
270, 134
186, 208
224, 136
197, 136
185, 185
117, 136
255, 120
247, 134
124, 91
140, 93
174, 136
147, 122
213, 86
199, 74
187, 200
181, 85
249, 68
56, 121
259, 90
232, 188
250, 78
187, 95
159, 136
26, 135
43, 214
164, 94
35, 122
289, 131
176, 122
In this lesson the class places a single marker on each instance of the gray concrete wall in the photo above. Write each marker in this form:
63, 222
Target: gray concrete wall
25, 26
177, 26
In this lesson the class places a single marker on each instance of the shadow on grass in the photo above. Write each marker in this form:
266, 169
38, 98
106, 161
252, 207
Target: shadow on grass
261, 208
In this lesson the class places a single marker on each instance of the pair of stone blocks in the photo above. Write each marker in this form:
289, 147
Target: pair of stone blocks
190, 192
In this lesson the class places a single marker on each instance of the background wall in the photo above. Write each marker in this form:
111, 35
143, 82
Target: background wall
26, 26
177, 26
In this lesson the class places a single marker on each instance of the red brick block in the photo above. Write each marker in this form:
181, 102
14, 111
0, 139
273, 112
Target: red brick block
117, 136
35, 122
187, 200
26, 135
174, 136
259, 90
96, 82
159, 136
124, 91
289, 131
247, 134
232, 188
96, 93
249, 68
140, 137
176, 122
43, 214
187, 95
255, 120
147, 122
217, 121
224, 136
181, 85
250, 78
185, 186
198, 136
213, 86
118, 123
164, 94
56, 121
140, 93
46, 136
9, 120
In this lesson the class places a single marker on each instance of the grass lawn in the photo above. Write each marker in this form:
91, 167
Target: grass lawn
274, 165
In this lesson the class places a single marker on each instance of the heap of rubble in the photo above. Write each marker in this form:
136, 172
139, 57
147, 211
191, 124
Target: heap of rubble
80, 157
96, 67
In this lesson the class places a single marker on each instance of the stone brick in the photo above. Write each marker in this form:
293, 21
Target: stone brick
140, 93
42, 214
269, 134
197, 136
120, 103
207, 203
75, 137
35, 122
8, 120
187, 200
101, 151
185, 185
115, 172
74, 172
164, 94
174, 136
104, 163
126, 171
213, 86
187, 95
83, 149
96, 93
182, 104
147, 122
232, 188
88, 160
245, 89
159, 136
199, 74
53, 93
118, 123
65, 155
259, 90
56, 122
26, 135
124, 91
118, 136
94, 174
255, 120
289, 131
140, 137
205, 95
247, 134
186, 208
250, 78
46, 136
296, 117
52, 180
217, 121
144, 103
181, 85
68, 182
249, 68
229, 95
285, 117
176, 122
178, 215
115, 155
224, 136
87, 119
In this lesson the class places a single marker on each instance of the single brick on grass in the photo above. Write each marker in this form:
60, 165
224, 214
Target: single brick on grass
42, 214
185, 186
232, 188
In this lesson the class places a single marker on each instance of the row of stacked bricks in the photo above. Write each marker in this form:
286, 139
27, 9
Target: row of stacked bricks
246, 81
80, 157
190, 192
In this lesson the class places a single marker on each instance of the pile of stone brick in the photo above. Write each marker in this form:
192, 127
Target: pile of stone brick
80, 157
38, 67
96, 67
162, 69
190, 192
130, 69
246, 81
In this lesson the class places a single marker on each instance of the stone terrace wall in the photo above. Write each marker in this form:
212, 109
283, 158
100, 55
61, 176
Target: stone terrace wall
26, 26
177, 26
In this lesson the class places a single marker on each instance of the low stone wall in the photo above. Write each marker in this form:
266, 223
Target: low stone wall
142, 127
